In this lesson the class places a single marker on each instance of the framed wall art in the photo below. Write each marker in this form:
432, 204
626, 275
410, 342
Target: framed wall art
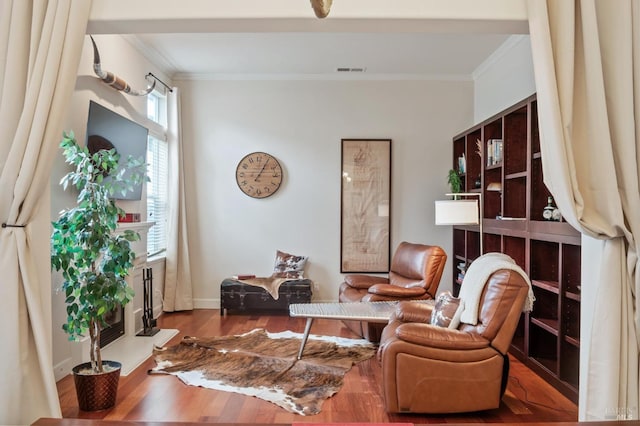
365, 241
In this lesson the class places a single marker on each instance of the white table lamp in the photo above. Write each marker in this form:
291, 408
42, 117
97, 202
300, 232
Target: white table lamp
460, 212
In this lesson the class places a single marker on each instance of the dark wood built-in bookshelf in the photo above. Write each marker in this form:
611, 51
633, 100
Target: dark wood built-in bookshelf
548, 338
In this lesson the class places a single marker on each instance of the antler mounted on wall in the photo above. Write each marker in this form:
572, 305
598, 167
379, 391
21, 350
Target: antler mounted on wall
321, 7
113, 80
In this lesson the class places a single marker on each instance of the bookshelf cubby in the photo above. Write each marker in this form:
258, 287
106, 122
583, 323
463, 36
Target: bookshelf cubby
548, 338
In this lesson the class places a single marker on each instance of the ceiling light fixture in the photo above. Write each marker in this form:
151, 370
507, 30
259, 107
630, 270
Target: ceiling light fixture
321, 7
347, 69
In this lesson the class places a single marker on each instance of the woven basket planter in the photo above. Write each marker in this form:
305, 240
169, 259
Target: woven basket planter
97, 391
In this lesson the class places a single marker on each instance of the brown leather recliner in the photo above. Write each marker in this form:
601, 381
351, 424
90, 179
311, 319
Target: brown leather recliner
415, 274
431, 369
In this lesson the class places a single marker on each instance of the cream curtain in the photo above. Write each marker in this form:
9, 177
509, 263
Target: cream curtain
177, 281
586, 60
40, 46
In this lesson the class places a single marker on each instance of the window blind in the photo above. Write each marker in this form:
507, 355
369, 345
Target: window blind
157, 159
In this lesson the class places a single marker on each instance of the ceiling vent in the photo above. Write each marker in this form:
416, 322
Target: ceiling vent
346, 69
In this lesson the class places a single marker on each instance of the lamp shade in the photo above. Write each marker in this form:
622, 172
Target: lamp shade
457, 212
494, 187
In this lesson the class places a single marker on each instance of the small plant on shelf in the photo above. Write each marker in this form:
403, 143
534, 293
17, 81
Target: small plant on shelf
455, 181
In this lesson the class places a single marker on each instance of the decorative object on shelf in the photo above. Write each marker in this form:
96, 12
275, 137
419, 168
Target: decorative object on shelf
129, 218
478, 182
462, 164
94, 259
259, 175
556, 215
454, 180
365, 243
496, 187
321, 7
550, 210
460, 212
113, 80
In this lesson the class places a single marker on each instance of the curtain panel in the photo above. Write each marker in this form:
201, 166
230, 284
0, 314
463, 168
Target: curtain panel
178, 294
40, 47
586, 56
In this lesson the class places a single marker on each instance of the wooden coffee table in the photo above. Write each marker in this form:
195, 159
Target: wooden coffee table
379, 312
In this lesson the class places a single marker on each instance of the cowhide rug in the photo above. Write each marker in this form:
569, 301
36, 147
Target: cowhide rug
265, 365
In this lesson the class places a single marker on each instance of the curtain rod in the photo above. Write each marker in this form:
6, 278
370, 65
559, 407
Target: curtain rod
161, 82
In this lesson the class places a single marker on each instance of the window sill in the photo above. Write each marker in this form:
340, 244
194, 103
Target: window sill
158, 258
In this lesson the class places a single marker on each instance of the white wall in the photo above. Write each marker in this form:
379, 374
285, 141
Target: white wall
301, 123
504, 78
120, 57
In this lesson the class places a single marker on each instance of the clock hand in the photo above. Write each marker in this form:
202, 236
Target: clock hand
262, 170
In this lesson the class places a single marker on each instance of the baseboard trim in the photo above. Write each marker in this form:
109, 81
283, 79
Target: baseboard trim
62, 369
206, 303
157, 311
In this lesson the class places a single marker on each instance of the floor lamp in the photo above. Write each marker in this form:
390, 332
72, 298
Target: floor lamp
461, 212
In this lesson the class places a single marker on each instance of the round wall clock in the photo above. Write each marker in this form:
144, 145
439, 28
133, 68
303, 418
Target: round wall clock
259, 175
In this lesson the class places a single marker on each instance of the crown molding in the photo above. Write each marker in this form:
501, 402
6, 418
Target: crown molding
152, 55
320, 77
500, 52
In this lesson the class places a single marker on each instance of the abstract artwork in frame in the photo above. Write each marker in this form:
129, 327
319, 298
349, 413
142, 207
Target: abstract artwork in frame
365, 241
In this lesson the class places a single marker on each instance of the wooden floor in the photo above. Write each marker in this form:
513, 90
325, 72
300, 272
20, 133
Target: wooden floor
151, 398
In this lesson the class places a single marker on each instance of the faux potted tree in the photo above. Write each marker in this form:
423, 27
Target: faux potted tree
94, 259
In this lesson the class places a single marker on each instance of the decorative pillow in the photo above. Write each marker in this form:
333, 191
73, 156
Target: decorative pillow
446, 312
289, 266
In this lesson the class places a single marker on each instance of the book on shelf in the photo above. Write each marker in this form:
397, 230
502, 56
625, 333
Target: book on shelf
494, 151
498, 150
243, 276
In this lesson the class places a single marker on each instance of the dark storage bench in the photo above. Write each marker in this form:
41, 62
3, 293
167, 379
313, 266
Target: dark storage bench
236, 295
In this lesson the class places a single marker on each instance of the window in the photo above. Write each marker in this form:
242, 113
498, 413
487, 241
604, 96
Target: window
157, 108
158, 170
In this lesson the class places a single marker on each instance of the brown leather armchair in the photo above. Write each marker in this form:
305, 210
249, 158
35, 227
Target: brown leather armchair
415, 274
431, 369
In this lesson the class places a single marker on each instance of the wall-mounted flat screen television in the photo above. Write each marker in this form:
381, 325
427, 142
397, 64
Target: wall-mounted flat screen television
107, 129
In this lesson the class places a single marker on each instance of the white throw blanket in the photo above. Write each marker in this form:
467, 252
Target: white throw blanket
475, 279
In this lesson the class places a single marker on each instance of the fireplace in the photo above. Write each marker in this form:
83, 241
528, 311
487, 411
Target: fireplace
114, 327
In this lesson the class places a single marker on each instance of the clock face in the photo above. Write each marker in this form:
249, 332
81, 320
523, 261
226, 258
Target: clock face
259, 175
